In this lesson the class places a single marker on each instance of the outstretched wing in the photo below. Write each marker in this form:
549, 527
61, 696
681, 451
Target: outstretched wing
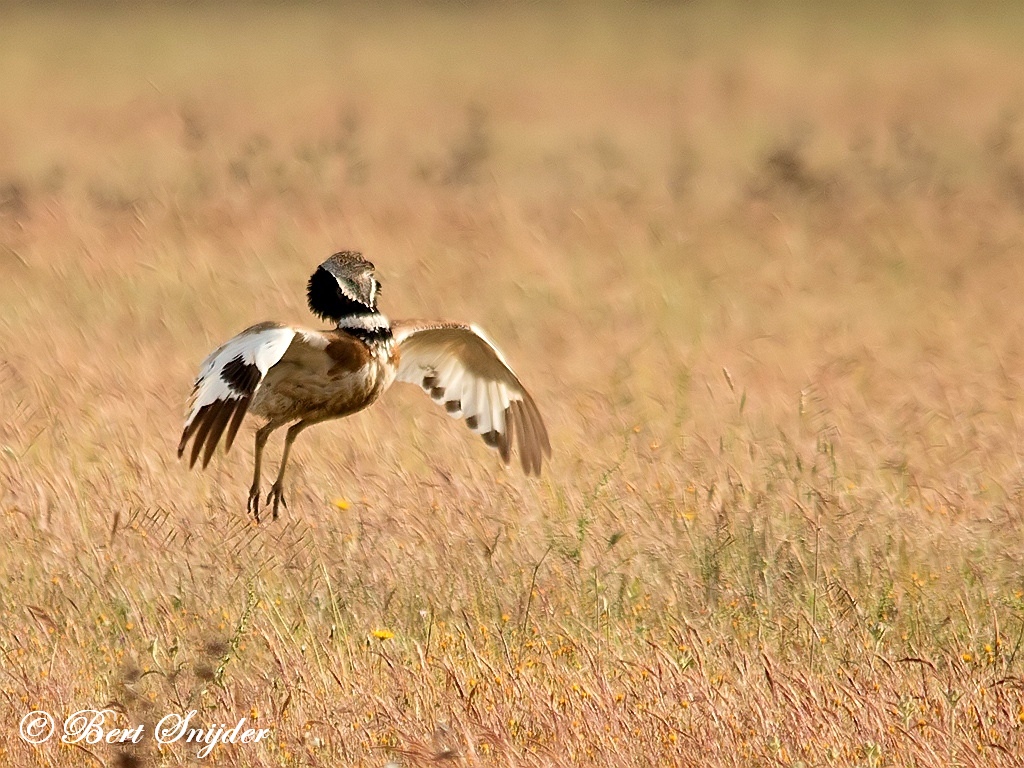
463, 371
227, 382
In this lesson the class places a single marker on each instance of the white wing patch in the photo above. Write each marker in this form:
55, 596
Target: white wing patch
228, 380
459, 367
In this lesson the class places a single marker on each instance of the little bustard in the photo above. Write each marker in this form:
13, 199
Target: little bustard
286, 374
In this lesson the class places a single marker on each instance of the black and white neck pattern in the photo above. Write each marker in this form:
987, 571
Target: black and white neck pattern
369, 327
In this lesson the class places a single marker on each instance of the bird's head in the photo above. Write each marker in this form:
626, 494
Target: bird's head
343, 286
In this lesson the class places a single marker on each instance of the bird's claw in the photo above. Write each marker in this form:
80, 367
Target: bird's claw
277, 494
254, 502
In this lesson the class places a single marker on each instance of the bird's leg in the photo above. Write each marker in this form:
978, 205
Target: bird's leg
262, 434
277, 489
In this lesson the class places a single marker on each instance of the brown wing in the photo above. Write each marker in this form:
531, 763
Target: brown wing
463, 371
229, 379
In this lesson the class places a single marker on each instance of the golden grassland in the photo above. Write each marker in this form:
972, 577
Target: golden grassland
761, 272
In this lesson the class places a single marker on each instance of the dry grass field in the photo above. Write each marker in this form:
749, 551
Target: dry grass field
762, 270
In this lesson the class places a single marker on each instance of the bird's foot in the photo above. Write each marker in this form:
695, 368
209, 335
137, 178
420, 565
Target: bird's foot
254, 502
277, 494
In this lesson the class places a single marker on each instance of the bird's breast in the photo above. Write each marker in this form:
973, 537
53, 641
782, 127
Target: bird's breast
336, 382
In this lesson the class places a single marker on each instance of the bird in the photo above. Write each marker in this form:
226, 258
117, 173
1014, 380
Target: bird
288, 375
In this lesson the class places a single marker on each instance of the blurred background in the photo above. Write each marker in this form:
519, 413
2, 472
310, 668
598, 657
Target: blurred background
822, 199
759, 263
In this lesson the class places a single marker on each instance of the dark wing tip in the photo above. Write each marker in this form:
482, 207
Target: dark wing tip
535, 444
508, 437
208, 426
236, 422
218, 422
190, 429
